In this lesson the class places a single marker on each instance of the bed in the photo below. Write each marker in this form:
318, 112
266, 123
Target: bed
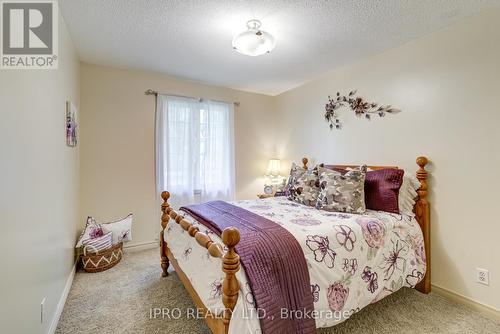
351, 260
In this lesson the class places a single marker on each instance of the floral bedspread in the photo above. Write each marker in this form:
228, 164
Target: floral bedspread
354, 260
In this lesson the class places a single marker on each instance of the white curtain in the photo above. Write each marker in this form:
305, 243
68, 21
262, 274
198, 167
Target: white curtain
194, 149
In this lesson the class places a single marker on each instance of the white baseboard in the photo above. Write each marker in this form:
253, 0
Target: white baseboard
142, 246
62, 300
480, 307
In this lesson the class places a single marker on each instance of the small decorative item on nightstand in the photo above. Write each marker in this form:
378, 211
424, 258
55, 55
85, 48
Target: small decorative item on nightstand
280, 193
262, 196
280, 188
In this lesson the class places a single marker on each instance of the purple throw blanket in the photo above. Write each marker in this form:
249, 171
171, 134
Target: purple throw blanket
274, 263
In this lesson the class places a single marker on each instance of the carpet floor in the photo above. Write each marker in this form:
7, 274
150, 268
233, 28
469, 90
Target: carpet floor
119, 300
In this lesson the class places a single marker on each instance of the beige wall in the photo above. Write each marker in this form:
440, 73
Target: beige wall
39, 190
117, 144
447, 84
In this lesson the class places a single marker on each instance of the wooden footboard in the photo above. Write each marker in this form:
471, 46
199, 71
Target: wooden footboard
230, 265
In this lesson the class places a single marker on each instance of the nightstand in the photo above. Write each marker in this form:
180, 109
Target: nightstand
262, 196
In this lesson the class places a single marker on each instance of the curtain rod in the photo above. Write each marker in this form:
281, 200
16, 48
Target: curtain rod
155, 93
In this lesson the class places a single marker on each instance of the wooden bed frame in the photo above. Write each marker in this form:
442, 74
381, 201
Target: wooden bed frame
219, 324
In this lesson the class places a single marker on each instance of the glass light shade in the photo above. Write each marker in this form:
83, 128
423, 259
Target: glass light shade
254, 42
274, 167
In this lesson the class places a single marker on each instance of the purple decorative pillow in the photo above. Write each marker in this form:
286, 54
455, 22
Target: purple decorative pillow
382, 189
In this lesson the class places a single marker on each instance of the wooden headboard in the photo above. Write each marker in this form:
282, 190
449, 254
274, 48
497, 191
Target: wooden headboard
421, 210
305, 161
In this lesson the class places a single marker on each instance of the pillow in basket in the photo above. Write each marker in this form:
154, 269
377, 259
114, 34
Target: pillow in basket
100, 243
122, 229
92, 230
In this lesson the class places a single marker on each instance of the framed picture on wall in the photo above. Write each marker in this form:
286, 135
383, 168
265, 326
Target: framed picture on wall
71, 124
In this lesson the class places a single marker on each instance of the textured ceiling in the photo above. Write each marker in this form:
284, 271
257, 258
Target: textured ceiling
191, 39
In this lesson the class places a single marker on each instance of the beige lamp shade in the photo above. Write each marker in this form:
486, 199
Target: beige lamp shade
274, 167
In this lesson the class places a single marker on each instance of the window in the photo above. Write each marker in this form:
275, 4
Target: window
194, 149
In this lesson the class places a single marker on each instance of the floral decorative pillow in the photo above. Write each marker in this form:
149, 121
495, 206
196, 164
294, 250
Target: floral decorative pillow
342, 192
92, 230
122, 229
295, 172
304, 189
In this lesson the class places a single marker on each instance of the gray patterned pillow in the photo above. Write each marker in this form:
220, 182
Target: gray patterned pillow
304, 187
295, 172
343, 193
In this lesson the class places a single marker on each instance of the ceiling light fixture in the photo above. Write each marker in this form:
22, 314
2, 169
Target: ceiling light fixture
254, 42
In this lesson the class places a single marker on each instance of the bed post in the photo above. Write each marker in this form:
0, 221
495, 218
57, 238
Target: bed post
424, 220
230, 266
165, 208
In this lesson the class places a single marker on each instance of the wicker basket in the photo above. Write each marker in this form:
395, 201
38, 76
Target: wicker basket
96, 261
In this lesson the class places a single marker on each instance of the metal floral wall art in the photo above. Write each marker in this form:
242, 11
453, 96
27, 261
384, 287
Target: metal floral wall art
357, 104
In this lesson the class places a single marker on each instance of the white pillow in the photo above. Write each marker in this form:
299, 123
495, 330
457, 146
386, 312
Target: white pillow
122, 229
408, 193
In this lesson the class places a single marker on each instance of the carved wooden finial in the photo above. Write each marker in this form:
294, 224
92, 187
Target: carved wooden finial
422, 177
231, 237
304, 162
165, 195
230, 266
422, 161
